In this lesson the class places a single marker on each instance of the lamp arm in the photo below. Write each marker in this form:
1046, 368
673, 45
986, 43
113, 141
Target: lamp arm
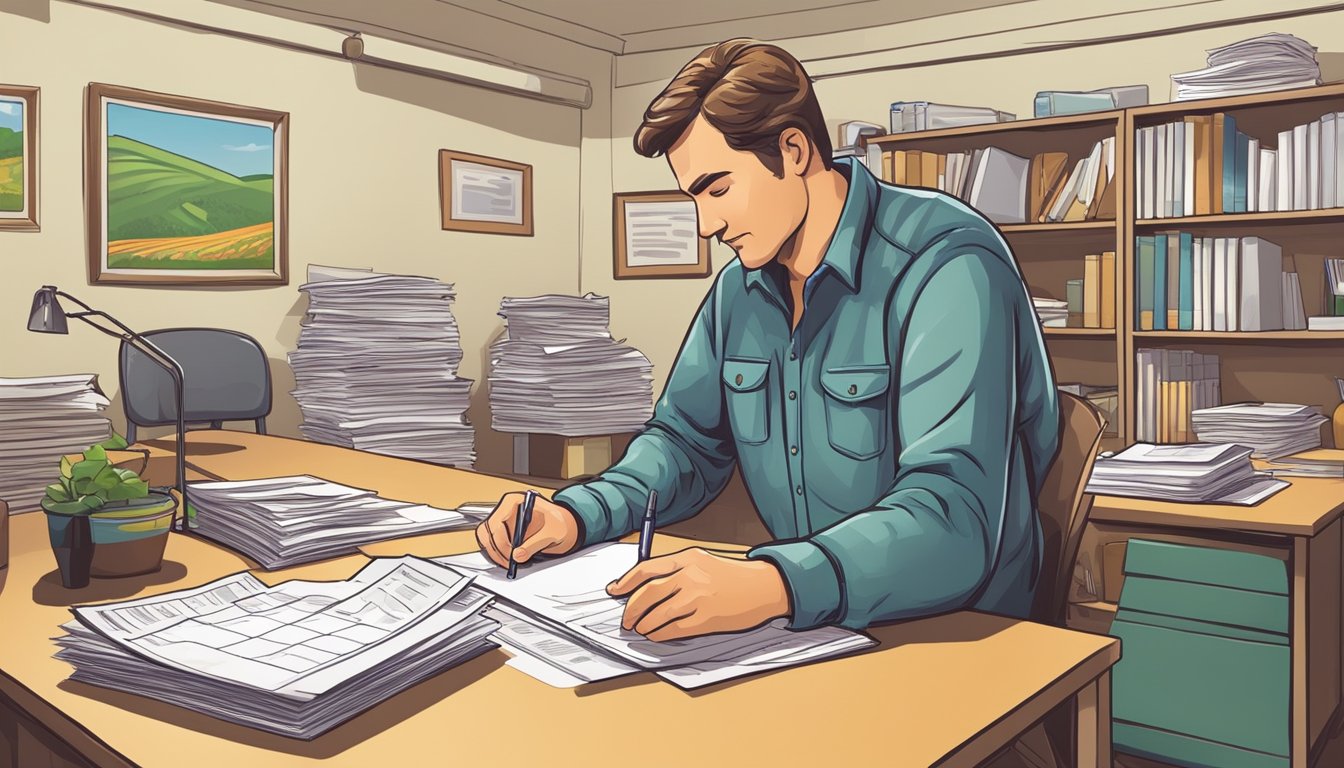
164, 361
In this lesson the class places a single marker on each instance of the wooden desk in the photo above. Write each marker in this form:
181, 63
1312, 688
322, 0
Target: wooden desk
950, 690
1300, 525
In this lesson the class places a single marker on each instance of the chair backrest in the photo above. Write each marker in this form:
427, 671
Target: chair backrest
227, 378
1064, 506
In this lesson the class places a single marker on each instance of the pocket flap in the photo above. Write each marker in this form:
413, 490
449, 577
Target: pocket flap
744, 375
856, 383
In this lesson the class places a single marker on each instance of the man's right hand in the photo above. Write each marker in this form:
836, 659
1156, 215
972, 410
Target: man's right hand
553, 530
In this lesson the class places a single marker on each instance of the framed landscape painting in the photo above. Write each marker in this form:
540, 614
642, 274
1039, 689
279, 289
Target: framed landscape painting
18, 158
184, 191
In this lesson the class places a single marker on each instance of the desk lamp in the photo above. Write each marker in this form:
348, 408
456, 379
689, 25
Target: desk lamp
47, 316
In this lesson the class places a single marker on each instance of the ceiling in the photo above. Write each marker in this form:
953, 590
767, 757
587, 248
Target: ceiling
623, 26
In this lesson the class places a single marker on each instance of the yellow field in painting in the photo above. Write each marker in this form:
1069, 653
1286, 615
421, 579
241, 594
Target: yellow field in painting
244, 248
11, 184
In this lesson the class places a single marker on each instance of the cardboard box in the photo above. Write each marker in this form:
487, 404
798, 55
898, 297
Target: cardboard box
566, 458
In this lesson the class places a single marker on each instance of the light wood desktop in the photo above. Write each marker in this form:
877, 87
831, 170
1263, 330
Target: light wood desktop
949, 690
1300, 525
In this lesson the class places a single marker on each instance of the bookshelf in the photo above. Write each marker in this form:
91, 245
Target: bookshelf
1284, 366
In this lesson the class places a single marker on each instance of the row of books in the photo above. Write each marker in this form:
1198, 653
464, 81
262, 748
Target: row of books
1188, 283
1010, 189
1172, 384
1204, 165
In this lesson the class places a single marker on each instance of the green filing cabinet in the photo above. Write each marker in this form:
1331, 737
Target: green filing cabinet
1205, 669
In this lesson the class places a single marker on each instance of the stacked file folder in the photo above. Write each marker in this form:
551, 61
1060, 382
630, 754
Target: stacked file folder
1201, 473
1271, 430
1053, 313
296, 659
376, 367
560, 372
284, 521
1266, 63
41, 420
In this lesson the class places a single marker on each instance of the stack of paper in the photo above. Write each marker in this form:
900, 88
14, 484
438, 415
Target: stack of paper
1266, 63
1271, 430
283, 521
376, 367
41, 420
1318, 463
564, 628
1053, 313
296, 659
560, 372
1199, 472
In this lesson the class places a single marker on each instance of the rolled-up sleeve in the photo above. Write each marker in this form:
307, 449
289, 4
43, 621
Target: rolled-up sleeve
684, 453
929, 544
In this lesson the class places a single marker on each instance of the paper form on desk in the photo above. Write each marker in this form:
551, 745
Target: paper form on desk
567, 597
295, 659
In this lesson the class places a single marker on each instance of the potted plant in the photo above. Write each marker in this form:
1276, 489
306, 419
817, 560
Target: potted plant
105, 521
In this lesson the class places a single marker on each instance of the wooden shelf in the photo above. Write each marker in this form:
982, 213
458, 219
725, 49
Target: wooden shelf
1099, 605
1269, 217
1242, 335
1032, 124
1085, 333
1063, 226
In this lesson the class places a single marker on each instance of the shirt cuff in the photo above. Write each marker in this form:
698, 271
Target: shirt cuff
811, 578
588, 511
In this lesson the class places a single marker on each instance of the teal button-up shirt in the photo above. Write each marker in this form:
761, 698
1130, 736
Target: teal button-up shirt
893, 443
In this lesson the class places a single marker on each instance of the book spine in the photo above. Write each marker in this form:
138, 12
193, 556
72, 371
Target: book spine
1328, 156
1190, 131
1239, 173
1283, 172
1108, 289
1251, 189
1301, 140
1219, 284
1339, 159
1178, 169
1091, 291
1173, 282
1210, 279
1229, 175
1216, 167
1233, 284
893, 166
1314, 164
1159, 282
1186, 287
1143, 278
1197, 257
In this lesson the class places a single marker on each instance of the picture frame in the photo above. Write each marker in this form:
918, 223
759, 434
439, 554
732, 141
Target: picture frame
484, 194
20, 138
669, 218
224, 219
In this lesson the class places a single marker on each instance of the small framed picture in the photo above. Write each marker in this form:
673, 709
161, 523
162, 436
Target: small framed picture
184, 191
18, 158
657, 235
484, 194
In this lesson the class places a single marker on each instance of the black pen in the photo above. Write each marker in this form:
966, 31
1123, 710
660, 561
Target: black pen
646, 529
520, 529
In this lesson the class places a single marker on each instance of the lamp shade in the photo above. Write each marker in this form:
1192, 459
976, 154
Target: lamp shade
47, 316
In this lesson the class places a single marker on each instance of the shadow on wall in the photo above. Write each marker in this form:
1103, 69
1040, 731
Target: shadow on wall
37, 10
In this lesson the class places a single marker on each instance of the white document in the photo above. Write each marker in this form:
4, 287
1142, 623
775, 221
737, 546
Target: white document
568, 597
661, 233
299, 638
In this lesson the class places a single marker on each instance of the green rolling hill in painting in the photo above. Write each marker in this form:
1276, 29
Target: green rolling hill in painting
169, 211
11, 170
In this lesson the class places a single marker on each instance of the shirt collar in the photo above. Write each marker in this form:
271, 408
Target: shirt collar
851, 233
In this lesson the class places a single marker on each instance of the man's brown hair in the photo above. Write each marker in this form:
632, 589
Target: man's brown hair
749, 91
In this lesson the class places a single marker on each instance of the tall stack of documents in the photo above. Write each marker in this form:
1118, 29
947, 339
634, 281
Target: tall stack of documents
1271, 430
1199, 472
560, 372
563, 627
1266, 63
284, 521
376, 366
41, 420
296, 659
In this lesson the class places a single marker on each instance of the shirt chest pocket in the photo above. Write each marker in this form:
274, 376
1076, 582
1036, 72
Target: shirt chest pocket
746, 398
856, 409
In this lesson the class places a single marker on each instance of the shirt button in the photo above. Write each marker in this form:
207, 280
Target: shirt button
798, 489
793, 355
793, 395
793, 449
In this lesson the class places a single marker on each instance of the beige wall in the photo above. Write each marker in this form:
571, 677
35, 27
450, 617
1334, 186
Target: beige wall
363, 190
654, 313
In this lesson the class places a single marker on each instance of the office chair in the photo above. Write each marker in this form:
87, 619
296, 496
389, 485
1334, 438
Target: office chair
228, 378
1063, 507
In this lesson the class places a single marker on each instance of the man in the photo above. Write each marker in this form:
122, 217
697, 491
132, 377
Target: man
871, 361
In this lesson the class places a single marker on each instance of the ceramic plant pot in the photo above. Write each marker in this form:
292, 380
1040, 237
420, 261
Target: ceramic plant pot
123, 538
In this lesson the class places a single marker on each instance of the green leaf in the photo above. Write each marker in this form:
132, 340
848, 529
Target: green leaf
114, 443
67, 508
106, 478
126, 474
86, 469
91, 502
69, 486
57, 492
135, 489
95, 453
65, 466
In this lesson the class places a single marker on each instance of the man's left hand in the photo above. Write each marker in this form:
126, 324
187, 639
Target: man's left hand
695, 592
